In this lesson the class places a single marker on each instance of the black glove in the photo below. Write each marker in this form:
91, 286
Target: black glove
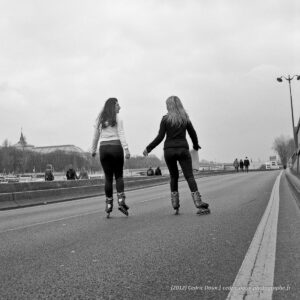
197, 147
93, 154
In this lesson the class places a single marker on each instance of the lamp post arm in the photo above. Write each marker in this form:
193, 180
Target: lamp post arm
294, 77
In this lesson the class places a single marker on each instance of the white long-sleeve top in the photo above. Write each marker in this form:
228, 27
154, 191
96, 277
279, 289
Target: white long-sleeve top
110, 134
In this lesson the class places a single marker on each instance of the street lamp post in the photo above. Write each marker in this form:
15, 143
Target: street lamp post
289, 79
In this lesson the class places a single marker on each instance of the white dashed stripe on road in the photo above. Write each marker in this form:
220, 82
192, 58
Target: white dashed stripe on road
50, 221
256, 275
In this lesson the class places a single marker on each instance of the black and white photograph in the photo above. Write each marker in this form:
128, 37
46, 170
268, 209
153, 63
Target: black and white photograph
149, 149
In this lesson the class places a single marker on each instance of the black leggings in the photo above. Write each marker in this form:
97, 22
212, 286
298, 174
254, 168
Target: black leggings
112, 161
183, 156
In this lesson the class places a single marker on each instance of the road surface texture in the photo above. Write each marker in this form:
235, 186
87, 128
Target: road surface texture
70, 250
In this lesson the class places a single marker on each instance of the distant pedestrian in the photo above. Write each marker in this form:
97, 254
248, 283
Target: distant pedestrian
236, 165
83, 174
109, 129
241, 165
246, 164
150, 172
49, 173
174, 126
157, 171
71, 173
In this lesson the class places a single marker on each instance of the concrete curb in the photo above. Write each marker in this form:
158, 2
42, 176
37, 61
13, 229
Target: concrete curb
294, 182
51, 195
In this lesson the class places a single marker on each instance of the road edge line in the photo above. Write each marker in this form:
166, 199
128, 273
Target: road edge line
256, 274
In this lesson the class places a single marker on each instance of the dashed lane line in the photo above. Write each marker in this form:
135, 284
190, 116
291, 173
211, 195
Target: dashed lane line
62, 219
50, 221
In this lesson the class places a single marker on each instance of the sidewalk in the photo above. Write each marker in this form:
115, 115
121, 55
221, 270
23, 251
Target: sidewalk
294, 181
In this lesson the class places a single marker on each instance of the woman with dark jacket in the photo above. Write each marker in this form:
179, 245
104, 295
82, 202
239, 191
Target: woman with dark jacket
174, 126
241, 165
109, 129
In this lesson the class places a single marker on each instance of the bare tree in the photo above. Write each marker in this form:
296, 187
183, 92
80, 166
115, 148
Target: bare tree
285, 147
6, 143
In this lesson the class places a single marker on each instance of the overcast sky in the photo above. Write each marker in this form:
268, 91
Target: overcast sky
61, 59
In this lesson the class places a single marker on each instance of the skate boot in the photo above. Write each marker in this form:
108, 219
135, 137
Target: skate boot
109, 206
175, 202
202, 206
122, 205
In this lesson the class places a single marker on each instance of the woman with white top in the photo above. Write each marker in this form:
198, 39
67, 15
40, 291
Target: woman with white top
109, 129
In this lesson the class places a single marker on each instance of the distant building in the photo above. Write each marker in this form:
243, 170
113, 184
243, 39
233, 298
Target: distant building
64, 148
272, 163
23, 145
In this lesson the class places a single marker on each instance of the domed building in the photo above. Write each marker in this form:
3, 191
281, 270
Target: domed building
23, 145
64, 148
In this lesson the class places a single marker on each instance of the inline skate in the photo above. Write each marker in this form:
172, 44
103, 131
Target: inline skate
202, 206
122, 205
109, 206
175, 202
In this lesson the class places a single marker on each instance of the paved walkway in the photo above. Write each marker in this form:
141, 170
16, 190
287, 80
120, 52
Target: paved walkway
294, 182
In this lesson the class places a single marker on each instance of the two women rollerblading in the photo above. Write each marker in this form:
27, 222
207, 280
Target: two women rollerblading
109, 129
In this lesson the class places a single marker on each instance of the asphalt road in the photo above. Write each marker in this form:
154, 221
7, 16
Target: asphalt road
70, 250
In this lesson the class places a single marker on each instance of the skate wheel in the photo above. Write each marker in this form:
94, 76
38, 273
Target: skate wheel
108, 216
124, 211
203, 212
176, 212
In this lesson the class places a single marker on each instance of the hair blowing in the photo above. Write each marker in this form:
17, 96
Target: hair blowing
176, 112
107, 117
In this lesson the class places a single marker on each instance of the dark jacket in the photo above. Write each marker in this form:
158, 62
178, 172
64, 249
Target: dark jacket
150, 172
71, 174
246, 163
157, 171
241, 164
176, 136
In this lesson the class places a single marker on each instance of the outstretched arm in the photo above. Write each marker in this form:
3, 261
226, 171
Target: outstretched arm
193, 136
159, 137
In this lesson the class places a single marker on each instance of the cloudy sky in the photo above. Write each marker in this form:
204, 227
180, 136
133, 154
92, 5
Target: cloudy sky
61, 59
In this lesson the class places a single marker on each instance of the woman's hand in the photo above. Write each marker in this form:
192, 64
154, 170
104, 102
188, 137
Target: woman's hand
127, 154
197, 147
145, 153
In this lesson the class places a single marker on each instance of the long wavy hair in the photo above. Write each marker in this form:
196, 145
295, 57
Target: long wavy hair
108, 116
177, 115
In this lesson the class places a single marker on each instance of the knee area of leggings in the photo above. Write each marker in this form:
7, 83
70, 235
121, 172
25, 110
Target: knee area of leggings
189, 177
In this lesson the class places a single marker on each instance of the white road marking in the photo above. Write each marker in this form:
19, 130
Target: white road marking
51, 221
256, 275
65, 218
